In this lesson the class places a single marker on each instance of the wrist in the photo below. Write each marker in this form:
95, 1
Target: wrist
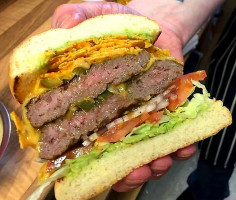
183, 19
167, 14
175, 29
193, 14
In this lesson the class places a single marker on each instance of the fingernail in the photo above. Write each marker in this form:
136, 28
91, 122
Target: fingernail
158, 174
159, 171
185, 156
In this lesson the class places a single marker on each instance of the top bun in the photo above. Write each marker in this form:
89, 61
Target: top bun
28, 59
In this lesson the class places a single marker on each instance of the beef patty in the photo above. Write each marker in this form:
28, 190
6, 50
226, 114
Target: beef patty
55, 103
57, 137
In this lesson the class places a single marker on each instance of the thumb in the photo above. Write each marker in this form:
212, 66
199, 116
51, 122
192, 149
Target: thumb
69, 15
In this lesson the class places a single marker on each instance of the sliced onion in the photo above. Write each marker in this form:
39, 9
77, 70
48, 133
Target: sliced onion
86, 143
162, 105
110, 125
93, 137
156, 104
157, 99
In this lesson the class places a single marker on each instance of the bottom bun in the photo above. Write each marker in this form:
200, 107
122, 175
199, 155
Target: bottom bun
103, 173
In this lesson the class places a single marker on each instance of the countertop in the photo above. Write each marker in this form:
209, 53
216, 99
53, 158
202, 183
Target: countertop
20, 19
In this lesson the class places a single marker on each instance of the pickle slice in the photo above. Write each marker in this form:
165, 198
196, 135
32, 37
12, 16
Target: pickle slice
51, 82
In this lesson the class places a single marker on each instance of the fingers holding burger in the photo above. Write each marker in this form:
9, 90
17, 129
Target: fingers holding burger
103, 101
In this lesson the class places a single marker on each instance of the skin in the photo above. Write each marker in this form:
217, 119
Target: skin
170, 16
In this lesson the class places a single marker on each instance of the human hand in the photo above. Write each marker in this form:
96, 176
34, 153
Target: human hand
166, 13
69, 15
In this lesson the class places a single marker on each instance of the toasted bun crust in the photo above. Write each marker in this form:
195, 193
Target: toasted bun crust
103, 173
29, 58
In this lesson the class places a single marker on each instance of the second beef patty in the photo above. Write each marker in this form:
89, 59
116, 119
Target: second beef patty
57, 137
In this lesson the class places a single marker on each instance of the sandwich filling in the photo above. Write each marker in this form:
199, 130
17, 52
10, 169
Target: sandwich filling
89, 84
135, 129
101, 95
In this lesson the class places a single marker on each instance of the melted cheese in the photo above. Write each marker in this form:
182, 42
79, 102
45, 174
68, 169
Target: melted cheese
94, 51
43, 174
28, 135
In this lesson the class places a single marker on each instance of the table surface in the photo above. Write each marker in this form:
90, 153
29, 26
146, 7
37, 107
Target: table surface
19, 20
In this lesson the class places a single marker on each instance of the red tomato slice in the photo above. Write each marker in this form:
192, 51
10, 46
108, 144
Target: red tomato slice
155, 116
183, 88
119, 131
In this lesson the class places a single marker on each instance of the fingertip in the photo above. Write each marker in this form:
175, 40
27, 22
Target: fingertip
138, 176
134, 179
57, 13
157, 176
123, 187
184, 153
161, 164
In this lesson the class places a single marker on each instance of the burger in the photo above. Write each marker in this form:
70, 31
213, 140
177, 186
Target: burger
100, 100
